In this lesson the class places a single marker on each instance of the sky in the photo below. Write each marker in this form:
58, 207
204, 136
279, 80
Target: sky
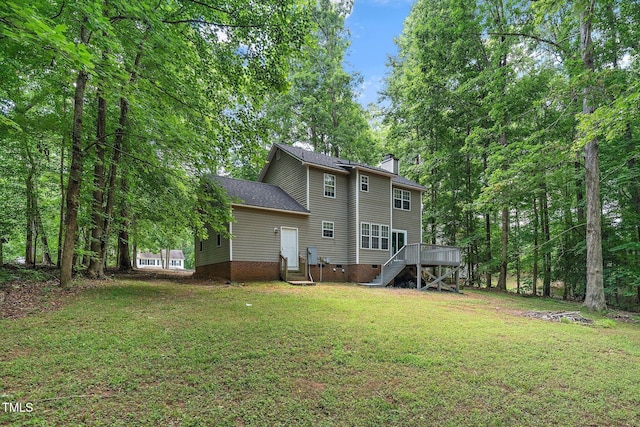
373, 25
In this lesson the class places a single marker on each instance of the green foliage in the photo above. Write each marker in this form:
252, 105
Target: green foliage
320, 109
183, 83
485, 105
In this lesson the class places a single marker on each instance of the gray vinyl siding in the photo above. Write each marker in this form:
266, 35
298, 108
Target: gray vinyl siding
329, 209
409, 220
254, 238
289, 174
211, 253
375, 209
352, 243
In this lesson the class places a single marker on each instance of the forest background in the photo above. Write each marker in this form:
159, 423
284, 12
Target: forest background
520, 118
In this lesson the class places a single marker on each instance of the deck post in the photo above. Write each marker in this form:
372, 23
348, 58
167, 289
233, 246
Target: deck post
439, 276
418, 275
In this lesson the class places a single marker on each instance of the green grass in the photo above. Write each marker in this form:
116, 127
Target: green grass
136, 353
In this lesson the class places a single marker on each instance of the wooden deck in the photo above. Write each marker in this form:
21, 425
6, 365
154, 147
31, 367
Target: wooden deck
444, 261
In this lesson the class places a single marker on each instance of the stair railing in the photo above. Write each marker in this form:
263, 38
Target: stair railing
284, 267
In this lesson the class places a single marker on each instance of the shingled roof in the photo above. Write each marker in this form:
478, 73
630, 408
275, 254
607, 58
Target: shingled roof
338, 164
259, 195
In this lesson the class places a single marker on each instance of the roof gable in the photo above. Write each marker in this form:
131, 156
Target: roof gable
258, 194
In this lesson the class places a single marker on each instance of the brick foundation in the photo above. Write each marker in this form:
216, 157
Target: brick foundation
220, 271
244, 271
240, 271
328, 275
364, 273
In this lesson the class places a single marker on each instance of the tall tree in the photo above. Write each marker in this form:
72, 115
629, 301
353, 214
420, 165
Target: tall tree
321, 109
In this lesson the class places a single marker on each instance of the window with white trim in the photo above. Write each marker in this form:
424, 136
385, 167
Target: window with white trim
329, 185
374, 236
219, 240
364, 183
384, 237
365, 235
402, 199
327, 229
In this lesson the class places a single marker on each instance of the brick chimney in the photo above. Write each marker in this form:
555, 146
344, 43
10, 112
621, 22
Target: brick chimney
390, 163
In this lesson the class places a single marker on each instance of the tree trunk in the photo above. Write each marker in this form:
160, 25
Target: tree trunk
96, 264
75, 178
62, 198
86, 256
111, 189
517, 253
546, 235
567, 255
594, 298
29, 255
124, 252
504, 253
75, 172
536, 250
46, 253
487, 227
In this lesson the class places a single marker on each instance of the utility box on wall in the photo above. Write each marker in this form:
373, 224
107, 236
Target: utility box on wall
312, 256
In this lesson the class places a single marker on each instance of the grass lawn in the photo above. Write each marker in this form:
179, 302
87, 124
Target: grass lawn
162, 353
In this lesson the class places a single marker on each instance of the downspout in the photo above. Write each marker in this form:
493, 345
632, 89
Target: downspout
357, 217
308, 208
230, 242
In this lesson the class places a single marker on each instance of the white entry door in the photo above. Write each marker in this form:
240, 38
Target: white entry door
289, 246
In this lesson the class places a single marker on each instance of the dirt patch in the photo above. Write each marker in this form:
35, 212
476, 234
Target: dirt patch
20, 299
308, 388
623, 317
559, 316
186, 277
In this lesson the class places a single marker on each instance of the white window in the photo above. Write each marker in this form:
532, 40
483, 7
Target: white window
176, 262
364, 183
374, 236
327, 229
329, 185
365, 234
384, 237
402, 199
219, 240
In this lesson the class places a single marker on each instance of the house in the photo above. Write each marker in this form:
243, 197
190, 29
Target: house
331, 218
176, 258
150, 260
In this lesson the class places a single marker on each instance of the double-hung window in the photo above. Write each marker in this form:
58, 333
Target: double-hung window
364, 183
384, 237
329, 185
327, 229
402, 199
365, 235
374, 236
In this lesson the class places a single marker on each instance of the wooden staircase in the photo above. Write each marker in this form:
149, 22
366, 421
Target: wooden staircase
294, 277
424, 257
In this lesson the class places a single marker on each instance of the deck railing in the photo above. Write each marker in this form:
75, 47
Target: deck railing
427, 255
419, 253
